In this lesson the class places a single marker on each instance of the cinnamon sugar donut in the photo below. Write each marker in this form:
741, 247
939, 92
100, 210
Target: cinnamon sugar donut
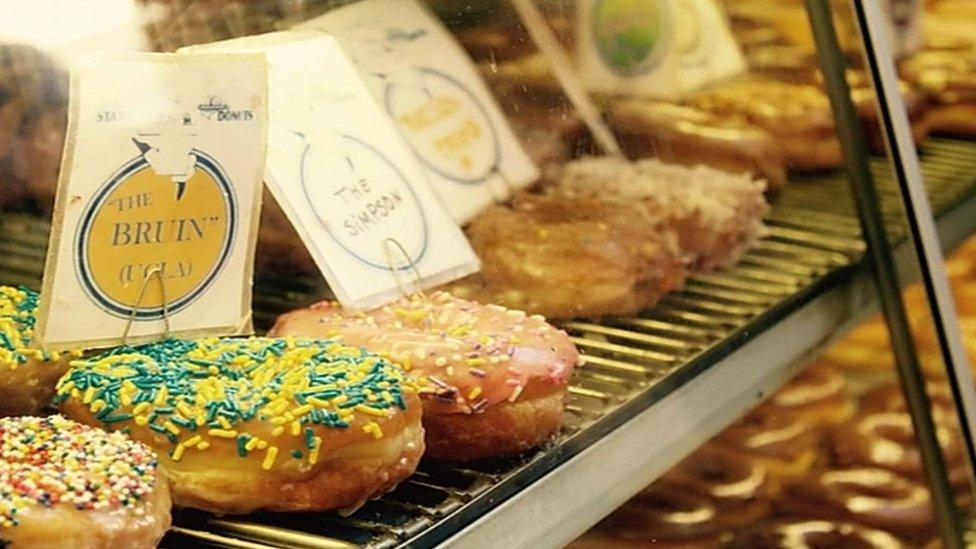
870, 496
887, 440
538, 251
27, 375
686, 135
817, 396
716, 216
785, 445
798, 116
260, 423
498, 377
812, 534
67, 485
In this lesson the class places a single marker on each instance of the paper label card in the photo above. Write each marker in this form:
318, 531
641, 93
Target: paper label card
158, 200
707, 51
628, 47
655, 48
338, 167
431, 89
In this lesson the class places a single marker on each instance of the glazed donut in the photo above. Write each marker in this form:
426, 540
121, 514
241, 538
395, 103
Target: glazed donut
67, 485
497, 377
716, 215
27, 375
685, 135
870, 496
736, 485
818, 396
260, 423
887, 440
539, 250
786, 446
798, 116
811, 534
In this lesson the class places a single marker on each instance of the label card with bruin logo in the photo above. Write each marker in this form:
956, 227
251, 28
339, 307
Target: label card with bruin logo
431, 89
347, 181
157, 200
628, 47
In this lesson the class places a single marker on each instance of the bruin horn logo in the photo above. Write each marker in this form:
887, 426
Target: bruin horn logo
215, 108
136, 223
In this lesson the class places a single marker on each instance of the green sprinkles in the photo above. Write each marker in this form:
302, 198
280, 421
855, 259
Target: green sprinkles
199, 393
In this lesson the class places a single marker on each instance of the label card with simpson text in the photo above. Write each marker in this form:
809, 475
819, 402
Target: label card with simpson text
431, 89
158, 200
341, 172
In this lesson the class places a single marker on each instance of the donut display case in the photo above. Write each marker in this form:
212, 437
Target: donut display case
705, 306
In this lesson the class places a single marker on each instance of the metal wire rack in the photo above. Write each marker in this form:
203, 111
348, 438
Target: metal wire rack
814, 244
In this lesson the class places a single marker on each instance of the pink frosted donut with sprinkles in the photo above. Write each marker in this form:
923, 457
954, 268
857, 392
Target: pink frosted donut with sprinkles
496, 378
64, 484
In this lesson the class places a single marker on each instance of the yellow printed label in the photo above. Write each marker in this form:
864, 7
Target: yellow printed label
140, 223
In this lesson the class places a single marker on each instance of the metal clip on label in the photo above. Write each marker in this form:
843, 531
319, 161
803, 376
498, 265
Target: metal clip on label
387, 243
158, 271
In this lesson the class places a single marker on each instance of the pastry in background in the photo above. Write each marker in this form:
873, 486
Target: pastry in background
798, 116
949, 80
873, 497
686, 135
566, 256
795, 534
33, 118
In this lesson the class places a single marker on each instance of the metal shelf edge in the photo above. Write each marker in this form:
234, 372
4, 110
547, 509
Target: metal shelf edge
563, 504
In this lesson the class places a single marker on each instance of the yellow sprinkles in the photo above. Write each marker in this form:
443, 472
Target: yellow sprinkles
291, 385
17, 309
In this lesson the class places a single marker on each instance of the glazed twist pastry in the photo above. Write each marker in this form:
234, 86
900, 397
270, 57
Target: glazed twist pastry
812, 534
787, 446
818, 396
260, 423
67, 485
873, 497
496, 378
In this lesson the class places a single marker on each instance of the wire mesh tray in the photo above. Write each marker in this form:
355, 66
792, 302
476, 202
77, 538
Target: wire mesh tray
814, 244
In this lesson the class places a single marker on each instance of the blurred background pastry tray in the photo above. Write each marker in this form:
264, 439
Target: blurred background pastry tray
654, 387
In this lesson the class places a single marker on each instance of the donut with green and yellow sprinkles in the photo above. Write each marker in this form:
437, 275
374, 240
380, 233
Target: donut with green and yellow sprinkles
27, 374
257, 423
64, 484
